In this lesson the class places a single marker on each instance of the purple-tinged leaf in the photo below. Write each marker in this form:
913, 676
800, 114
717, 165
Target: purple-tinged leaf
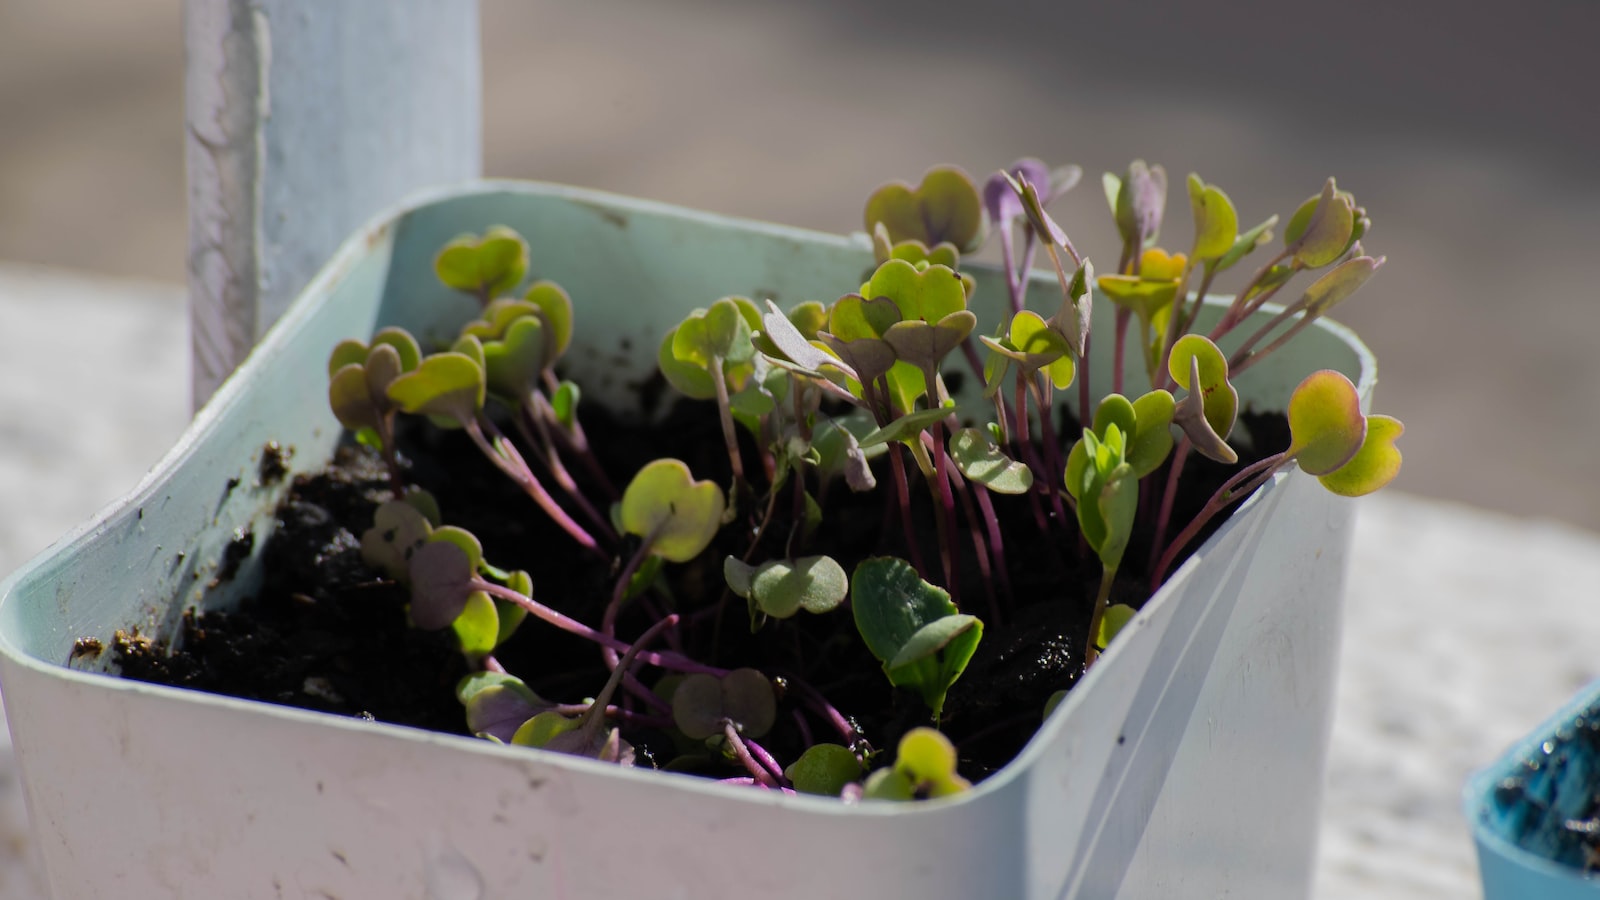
1000, 200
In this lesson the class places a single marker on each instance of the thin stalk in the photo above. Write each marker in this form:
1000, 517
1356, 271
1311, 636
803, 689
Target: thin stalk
512, 463
676, 662
760, 755
742, 753
1025, 450
1240, 485
1009, 267
1091, 652
997, 547
803, 727
1241, 361
1236, 310
642, 720
537, 433
902, 485
726, 415
1052, 444
1169, 496
979, 544
813, 698
574, 439
608, 619
945, 507
1119, 350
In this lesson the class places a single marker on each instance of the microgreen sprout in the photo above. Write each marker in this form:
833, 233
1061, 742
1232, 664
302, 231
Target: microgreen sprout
924, 768
842, 401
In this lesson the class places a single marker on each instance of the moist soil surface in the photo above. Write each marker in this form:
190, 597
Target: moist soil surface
326, 632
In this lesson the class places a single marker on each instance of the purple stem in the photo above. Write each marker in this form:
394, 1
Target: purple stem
640, 719
676, 662
767, 762
997, 545
1168, 497
946, 501
1025, 449
975, 528
1052, 446
803, 727
1118, 352
819, 703
1255, 474
742, 753
537, 433
575, 440
513, 465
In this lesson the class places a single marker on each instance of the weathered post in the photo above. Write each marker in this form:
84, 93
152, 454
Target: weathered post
304, 118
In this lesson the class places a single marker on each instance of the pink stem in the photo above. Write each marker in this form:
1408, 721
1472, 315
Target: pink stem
1256, 474
677, 662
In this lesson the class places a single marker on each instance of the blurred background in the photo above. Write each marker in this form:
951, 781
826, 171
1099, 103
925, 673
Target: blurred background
1469, 133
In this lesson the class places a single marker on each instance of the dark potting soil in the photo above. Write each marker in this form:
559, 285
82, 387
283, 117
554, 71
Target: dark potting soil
325, 632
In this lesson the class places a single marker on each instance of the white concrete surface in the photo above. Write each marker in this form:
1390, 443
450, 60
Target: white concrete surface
1464, 628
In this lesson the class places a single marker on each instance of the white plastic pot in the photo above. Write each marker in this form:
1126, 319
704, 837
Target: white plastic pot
1518, 805
1187, 764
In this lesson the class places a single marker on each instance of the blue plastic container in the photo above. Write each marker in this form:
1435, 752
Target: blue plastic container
1535, 812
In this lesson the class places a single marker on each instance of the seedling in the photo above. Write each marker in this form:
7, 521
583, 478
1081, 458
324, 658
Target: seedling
830, 412
924, 768
912, 627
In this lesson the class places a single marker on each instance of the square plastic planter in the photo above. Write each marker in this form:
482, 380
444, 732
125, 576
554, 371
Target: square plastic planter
1188, 764
1520, 808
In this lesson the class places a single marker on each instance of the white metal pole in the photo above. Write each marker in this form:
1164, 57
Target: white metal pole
304, 118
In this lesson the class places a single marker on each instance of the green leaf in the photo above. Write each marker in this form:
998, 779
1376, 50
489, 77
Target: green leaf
1143, 434
1216, 224
929, 295
1190, 415
555, 311
1374, 465
691, 380
350, 399
678, 515
565, 403
892, 606
1322, 228
824, 769
1033, 344
544, 727
1118, 500
512, 365
924, 766
781, 588
477, 627
1071, 320
932, 638
441, 581
1218, 397
1115, 618
486, 266
398, 529
982, 461
449, 385
1338, 283
794, 345
1250, 240
946, 206
906, 426
924, 344
1326, 426
744, 696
